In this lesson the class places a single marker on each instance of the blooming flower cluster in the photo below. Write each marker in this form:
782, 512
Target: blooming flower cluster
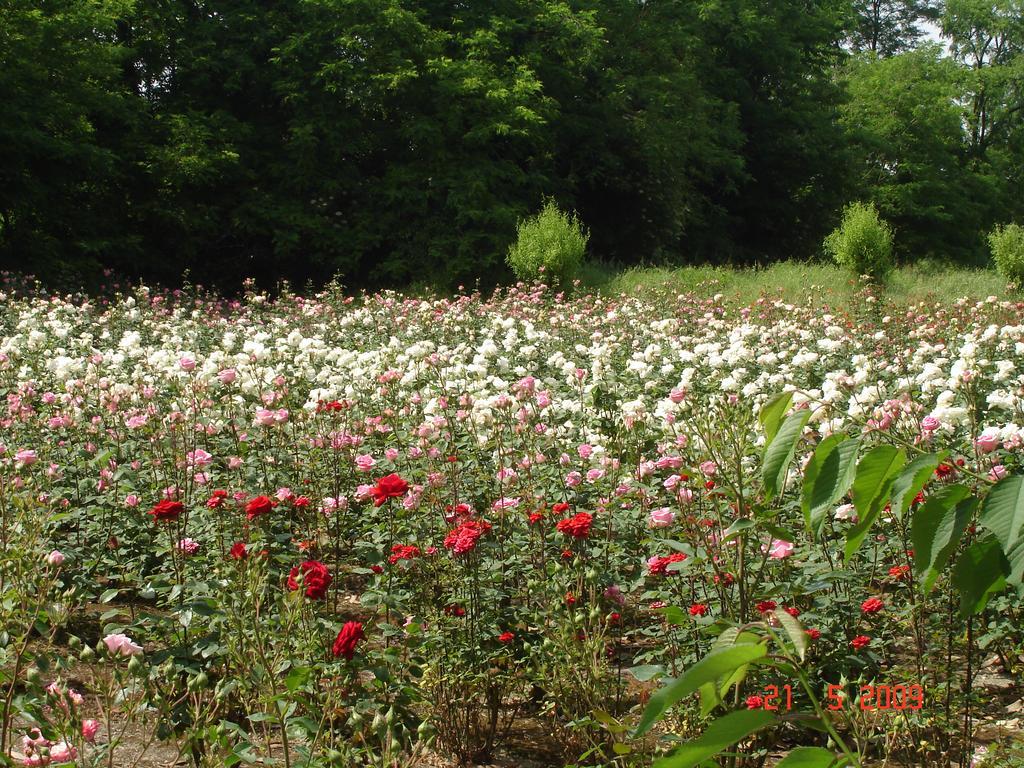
332, 459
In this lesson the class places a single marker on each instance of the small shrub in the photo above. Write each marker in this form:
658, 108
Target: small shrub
862, 242
549, 246
1007, 244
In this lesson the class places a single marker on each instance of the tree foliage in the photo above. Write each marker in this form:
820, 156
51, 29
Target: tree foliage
396, 142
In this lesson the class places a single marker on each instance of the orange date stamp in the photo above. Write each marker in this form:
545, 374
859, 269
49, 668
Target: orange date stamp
869, 698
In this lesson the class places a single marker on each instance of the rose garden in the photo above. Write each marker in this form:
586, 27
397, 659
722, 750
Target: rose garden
379, 530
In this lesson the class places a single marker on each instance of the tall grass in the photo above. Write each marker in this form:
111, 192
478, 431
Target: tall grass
799, 282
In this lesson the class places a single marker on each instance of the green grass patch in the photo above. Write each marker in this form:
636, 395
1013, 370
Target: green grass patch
799, 282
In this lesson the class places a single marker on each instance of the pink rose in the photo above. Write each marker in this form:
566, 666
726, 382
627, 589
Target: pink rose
62, 752
987, 442
780, 549
26, 457
188, 546
505, 503
198, 458
662, 517
121, 645
227, 376
90, 729
187, 363
930, 424
264, 417
55, 558
846, 512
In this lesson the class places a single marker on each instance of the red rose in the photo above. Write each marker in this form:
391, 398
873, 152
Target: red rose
167, 511
899, 571
766, 605
754, 702
792, 611
261, 505
860, 641
238, 551
658, 565
217, 499
463, 539
390, 487
506, 637
577, 526
403, 552
315, 579
698, 609
560, 507
872, 605
348, 637
814, 634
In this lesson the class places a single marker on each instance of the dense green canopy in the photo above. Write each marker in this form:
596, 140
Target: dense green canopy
399, 141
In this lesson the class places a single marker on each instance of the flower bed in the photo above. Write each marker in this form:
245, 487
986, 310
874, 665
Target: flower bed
344, 531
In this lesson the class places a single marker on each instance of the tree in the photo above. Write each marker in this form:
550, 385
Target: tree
888, 27
904, 120
61, 184
775, 63
987, 38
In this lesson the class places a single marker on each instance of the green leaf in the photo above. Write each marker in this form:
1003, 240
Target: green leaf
912, 479
794, 630
936, 528
808, 757
297, 677
647, 672
779, 452
738, 527
827, 478
1016, 559
1002, 512
875, 475
674, 615
722, 733
771, 414
979, 573
709, 698
713, 666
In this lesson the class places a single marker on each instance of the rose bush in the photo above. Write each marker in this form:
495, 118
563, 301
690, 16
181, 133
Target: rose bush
350, 530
